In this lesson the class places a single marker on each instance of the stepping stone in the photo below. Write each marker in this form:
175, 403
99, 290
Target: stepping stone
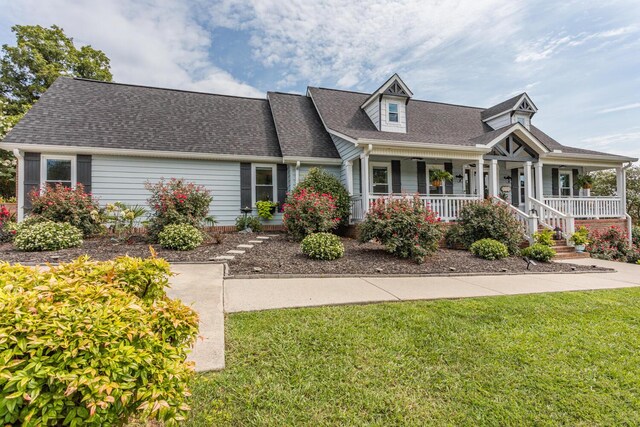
235, 251
255, 241
263, 237
272, 235
245, 246
224, 257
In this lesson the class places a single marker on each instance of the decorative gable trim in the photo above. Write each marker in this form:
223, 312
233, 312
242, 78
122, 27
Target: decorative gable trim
394, 86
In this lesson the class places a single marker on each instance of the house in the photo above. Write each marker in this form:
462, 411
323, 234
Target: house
113, 137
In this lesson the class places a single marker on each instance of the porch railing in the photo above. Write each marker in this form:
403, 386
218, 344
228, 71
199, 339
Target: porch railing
551, 218
357, 212
587, 207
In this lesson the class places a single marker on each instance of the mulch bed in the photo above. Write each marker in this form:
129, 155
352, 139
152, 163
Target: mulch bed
282, 257
104, 248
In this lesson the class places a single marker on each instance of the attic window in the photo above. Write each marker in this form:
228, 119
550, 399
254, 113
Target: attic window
521, 120
393, 113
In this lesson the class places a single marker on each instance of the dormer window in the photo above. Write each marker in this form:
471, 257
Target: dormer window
521, 120
393, 113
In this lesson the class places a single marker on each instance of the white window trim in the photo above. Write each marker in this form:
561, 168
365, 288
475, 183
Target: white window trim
253, 181
389, 175
565, 172
43, 168
389, 112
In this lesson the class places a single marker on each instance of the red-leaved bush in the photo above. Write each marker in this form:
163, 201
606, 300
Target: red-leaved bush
612, 244
6, 233
307, 212
405, 226
70, 205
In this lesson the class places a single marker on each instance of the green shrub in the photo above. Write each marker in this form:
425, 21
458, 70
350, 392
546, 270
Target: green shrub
320, 181
404, 226
489, 249
250, 222
70, 205
581, 236
46, 236
266, 209
307, 212
177, 202
324, 246
486, 220
610, 244
539, 252
7, 225
180, 237
544, 237
635, 235
85, 351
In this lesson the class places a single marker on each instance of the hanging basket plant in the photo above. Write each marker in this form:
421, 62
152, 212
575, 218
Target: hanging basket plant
584, 181
437, 176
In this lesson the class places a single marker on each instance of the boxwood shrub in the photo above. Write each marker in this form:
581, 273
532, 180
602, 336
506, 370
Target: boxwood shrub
80, 347
324, 246
180, 237
489, 249
539, 252
46, 236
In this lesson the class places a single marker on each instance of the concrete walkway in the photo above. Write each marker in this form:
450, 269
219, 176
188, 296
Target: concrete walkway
264, 294
200, 286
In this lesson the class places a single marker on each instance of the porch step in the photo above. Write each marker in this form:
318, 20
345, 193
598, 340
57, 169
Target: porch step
572, 255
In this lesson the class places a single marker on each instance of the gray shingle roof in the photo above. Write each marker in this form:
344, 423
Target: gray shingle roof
501, 107
76, 112
300, 130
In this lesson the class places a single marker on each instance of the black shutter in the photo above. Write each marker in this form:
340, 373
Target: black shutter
245, 185
83, 171
396, 184
515, 187
555, 190
31, 176
448, 185
422, 178
576, 188
282, 185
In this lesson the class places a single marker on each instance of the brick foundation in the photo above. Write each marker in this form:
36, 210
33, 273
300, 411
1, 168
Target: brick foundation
602, 224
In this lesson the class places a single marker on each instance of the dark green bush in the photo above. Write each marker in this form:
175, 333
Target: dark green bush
320, 181
539, 252
486, 220
251, 222
324, 246
46, 236
180, 237
489, 249
86, 350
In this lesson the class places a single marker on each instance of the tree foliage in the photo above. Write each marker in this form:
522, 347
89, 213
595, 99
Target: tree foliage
604, 184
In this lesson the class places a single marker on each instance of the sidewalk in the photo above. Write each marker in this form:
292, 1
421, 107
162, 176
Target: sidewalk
265, 294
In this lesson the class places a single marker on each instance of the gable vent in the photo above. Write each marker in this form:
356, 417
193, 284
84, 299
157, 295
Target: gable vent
395, 89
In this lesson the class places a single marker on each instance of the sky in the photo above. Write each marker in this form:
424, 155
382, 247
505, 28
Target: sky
579, 60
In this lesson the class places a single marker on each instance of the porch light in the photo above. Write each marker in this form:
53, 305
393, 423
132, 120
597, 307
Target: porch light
533, 212
459, 178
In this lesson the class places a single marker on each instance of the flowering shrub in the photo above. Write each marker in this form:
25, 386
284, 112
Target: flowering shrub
307, 212
7, 230
486, 220
177, 202
120, 351
122, 218
47, 236
324, 246
70, 205
539, 252
489, 249
250, 222
405, 227
180, 237
611, 244
323, 182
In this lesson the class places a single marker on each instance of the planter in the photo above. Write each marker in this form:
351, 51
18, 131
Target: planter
580, 248
436, 183
586, 186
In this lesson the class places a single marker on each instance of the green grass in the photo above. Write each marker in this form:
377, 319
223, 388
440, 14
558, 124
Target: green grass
549, 359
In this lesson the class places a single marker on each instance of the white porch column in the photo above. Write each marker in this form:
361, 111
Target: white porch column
493, 178
539, 181
297, 173
480, 178
20, 190
364, 177
347, 165
528, 187
621, 188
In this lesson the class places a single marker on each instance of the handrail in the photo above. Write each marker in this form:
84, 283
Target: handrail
552, 218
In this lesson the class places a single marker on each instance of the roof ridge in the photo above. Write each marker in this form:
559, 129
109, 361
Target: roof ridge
166, 88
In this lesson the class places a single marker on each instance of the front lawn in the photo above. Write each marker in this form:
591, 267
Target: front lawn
547, 359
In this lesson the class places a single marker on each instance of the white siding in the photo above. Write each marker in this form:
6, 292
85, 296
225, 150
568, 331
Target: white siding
385, 124
333, 170
525, 116
409, 176
346, 149
116, 178
500, 121
373, 111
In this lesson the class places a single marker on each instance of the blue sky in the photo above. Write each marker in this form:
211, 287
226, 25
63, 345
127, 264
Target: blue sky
578, 60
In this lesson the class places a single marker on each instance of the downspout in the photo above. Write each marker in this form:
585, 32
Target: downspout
20, 184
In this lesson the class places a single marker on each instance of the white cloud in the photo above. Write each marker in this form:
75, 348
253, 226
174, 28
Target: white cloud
158, 43
620, 108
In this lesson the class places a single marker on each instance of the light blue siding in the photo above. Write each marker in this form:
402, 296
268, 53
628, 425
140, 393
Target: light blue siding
346, 149
116, 178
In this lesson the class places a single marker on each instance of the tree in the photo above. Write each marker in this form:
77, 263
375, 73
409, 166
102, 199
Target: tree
27, 70
604, 184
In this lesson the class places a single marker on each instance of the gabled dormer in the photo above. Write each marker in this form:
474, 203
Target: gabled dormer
387, 106
518, 109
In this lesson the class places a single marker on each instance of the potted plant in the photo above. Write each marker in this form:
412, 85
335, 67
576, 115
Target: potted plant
266, 209
437, 176
580, 239
584, 181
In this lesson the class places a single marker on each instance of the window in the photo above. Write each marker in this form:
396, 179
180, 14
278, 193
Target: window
393, 113
565, 183
58, 170
264, 188
521, 120
380, 182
